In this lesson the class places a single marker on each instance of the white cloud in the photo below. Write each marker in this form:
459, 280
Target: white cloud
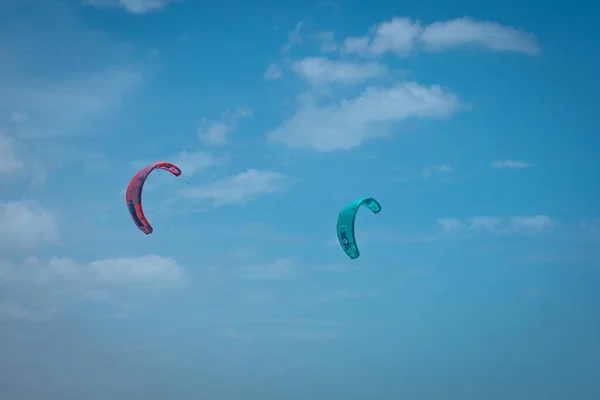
132, 6
499, 226
10, 161
511, 164
16, 163
321, 70
327, 41
67, 106
398, 35
465, 31
427, 172
449, 224
536, 223
356, 44
215, 133
273, 72
151, 268
25, 225
402, 35
111, 271
295, 37
38, 290
346, 125
484, 223
241, 188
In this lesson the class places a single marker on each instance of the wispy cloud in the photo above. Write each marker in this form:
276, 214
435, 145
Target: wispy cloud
241, 188
137, 270
215, 133
346, 125
273, 72
485, 34
499, 226
295, 37
450, 227
25, 226
427, 172
132, 6
511, 164
122, 270
66, 107
403, 35
327, 41
398, 35
10, 161
37, 289
321, 70
535, 223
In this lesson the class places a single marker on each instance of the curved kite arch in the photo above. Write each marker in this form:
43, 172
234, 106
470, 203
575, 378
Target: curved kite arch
133, 195
345, 224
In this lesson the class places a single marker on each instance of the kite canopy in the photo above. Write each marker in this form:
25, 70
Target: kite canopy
345, 224
133, 196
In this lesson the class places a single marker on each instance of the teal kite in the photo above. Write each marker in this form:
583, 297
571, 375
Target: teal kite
345, 224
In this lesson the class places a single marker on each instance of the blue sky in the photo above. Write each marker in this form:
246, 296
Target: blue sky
474, 125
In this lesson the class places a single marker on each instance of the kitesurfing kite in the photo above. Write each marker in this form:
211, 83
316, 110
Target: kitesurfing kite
133, 196
345, 224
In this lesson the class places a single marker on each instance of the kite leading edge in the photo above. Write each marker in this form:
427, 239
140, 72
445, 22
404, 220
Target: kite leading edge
345, 224
133, 196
